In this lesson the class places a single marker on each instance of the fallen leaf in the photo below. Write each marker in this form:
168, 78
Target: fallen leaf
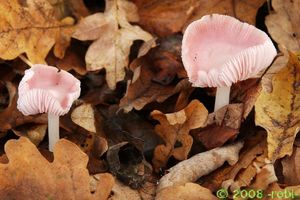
11, 117
34, 36
175, 127
166, 17
264, 177
223, 125
200, 165
84, 116
66, 176
231, 176
35, 133
64, 8
246, 92
73, 60
123, 192
153, 75
114, 36
279, 63
283, 24
278, 112
291, 168
188, 191
244, 10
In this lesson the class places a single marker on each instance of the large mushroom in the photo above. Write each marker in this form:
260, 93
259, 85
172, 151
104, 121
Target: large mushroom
47, 89
219, 50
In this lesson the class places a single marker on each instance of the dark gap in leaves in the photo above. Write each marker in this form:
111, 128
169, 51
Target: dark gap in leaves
95, 5
260, 20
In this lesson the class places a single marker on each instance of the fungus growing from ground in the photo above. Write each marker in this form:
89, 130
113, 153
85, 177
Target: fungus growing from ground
47, 89
219, 50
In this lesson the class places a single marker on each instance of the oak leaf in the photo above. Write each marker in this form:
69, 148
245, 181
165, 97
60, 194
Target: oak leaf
279, 111
113, 35
175, 127
283, 24
32, 29
65, 178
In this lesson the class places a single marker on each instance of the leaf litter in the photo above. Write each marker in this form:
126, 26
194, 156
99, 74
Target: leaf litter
139, 129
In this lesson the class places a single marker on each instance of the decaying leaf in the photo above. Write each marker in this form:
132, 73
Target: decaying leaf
199, 165
175, 127
244, 10
84, 116
114, 36
64, 8
283, 24
291, 168
35, 133
32, 29
127, 163
188, 191
243, 172
67, 176
154, 73
11, 117
279, 111
279, 63
123, 192
166, 17
223, 125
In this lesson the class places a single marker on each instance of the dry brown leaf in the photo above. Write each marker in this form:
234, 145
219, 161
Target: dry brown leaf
200, 165
246, 92
36, 133
64, 8
153, 75
67, 176
84, 116
175, 127
279, 63
73, 60
291, 168
188, 191
279, 111
283, 24
166, 17
224, 124
123, 192
33, 30
114, 36
11, 117
231, 176
244, 10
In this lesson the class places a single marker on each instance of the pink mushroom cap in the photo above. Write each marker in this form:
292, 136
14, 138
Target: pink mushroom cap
46, 89
219, 50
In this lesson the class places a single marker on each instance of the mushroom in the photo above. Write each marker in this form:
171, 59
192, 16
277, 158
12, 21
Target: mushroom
47, 89
218, 50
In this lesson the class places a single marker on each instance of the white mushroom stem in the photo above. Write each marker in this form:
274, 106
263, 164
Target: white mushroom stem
25, 60
53, 130
222, 97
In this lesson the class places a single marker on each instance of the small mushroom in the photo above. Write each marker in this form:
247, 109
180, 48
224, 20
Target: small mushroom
46, 89
219, 50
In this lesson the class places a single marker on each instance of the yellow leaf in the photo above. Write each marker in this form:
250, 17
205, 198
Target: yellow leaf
32, 29
113, 35
279, 111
